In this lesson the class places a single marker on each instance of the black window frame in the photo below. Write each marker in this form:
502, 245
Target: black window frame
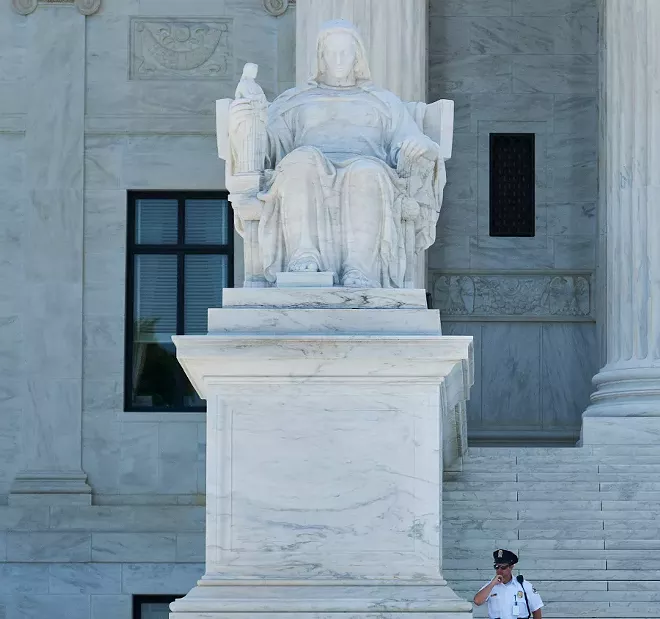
181, 249
494, 201
138, 600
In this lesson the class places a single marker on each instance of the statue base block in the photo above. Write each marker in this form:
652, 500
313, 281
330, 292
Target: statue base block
331, 413
323, 279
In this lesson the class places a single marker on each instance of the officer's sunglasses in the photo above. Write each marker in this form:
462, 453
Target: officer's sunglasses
501, 566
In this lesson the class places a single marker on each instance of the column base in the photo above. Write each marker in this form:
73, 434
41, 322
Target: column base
620, 430
317, 600
51, 488
625, 408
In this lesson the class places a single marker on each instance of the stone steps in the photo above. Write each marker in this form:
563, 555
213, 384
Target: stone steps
585, 522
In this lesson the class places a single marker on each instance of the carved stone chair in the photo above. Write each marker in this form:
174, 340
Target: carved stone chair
436, 120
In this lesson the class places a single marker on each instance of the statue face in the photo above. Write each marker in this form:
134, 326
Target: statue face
339, 55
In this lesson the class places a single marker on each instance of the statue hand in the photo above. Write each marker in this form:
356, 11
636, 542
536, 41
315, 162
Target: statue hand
414, 148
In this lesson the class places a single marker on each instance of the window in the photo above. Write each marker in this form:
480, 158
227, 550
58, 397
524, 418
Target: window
152, 606
179, 258
512, 184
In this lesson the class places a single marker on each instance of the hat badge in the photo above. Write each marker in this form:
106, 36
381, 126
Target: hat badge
500, 554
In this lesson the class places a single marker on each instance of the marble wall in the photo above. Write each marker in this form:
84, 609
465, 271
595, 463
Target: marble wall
153, 131
510, 65
520, 66
150, 125
13, 196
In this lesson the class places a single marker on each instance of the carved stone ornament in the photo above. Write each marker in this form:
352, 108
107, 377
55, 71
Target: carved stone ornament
277, 7
338, 175
513, 295
24, 7
181, 48
86, 7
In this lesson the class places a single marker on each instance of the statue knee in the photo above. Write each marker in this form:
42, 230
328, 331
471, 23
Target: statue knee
303, 156
367, 171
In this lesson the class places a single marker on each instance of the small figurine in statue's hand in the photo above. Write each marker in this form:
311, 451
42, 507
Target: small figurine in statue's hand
248, 88
248, 115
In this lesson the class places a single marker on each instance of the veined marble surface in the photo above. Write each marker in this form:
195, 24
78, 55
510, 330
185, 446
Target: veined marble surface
345, 488
339, 321
325, 298
399, 598
325, 450
336, 357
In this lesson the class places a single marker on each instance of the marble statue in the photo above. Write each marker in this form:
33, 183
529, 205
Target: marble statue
335, 176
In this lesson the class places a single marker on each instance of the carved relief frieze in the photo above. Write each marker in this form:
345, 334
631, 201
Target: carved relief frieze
86, 7
181, 48
534, 296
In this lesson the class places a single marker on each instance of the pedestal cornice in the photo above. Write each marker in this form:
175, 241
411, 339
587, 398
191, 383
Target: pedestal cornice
86, 7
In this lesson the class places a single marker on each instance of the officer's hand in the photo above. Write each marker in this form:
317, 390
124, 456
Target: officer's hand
497, 580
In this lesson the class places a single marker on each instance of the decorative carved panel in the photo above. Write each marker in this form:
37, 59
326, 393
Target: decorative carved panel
534, 296
512, 184
181, 48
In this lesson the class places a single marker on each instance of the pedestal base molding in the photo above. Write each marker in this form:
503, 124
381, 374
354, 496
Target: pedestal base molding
625, 408
310, 600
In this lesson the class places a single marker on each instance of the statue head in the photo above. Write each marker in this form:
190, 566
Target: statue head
341, 58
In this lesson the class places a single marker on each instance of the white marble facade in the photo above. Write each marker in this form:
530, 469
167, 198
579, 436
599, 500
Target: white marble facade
521, 66
509, 65
145, 532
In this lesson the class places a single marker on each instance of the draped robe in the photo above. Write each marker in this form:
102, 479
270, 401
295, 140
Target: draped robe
337, 187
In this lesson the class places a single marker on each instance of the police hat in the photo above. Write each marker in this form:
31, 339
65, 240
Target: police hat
505, 556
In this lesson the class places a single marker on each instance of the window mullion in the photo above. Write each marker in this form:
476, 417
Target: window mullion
181, 295
181, 270
129, 332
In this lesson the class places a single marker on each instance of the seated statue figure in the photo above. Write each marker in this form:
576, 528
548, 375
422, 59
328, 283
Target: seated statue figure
345, 166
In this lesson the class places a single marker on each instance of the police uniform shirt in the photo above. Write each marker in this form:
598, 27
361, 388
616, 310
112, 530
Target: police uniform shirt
503, 598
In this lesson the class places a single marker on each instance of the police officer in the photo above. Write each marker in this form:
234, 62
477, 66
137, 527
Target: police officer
507, 597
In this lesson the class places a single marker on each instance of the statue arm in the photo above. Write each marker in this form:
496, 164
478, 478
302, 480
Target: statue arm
280, 138
420, 163
262, 132
408, 142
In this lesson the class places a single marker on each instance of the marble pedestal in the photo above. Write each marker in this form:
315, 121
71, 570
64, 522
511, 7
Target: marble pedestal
330, 413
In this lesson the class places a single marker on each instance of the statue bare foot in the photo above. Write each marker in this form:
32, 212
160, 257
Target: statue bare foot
305, 264
356, 279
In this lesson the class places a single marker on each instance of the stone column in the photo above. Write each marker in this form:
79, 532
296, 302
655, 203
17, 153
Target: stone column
626, 404
395, 33
51, 469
